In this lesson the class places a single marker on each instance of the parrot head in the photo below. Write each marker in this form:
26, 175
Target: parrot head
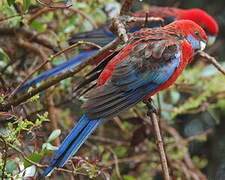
192, 32
203, 19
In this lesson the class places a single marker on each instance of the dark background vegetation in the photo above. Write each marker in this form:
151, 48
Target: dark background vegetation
192, 111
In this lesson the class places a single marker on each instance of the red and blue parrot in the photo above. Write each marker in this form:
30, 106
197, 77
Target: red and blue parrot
151, 61
103, 36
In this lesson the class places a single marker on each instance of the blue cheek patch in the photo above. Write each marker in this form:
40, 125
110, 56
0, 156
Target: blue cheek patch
194, 42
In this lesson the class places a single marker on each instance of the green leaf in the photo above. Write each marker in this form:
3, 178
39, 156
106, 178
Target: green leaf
128, 177
40, 27
54, 135
33, 157
120, 151
45, 151
11, 165
11, 2
4, 58
26, 4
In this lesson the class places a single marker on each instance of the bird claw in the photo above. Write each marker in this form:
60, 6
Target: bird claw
151, 106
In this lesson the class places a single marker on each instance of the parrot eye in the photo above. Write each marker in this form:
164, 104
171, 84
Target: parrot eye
204, 28
197, 33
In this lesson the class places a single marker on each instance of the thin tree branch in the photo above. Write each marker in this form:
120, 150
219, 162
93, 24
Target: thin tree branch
13, 16
47, 9
51, 113
187, 159
133, 159
119, 24
28, 33
34, 163
30, 46
43, 11
116, 162
51, 108
212, 60
2, 81
153, 121
14, 102
94, 25
109, 140
22, 154
4, 157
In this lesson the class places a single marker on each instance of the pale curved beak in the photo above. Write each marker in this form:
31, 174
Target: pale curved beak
202, 45
211, 40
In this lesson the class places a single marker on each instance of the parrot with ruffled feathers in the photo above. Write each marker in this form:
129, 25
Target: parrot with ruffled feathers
103, 36
151, 61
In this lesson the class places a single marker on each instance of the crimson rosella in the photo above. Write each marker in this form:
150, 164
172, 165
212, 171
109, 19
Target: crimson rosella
151, 61
103, 36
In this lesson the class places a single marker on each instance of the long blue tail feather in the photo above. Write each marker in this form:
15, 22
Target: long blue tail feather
92, 125
58, 69
72, 143
107, 36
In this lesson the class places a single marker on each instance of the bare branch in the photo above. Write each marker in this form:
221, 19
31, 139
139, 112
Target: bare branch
47, 9
30, 46
212, 60
187, 158
14, 102
37, 50
119, 24
4, 157
153, 121
116, 162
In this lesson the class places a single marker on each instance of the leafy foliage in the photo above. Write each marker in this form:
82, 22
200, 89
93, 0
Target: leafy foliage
125, 147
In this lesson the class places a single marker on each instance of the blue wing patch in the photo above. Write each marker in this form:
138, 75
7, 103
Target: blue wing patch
131, 81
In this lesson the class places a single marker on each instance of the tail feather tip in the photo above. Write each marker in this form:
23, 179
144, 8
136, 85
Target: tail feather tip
47, 172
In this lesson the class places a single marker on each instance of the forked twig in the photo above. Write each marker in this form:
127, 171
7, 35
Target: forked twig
120, 23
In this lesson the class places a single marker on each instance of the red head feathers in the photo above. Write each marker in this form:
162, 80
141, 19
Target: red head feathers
199, 16
204, 20
186, 28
